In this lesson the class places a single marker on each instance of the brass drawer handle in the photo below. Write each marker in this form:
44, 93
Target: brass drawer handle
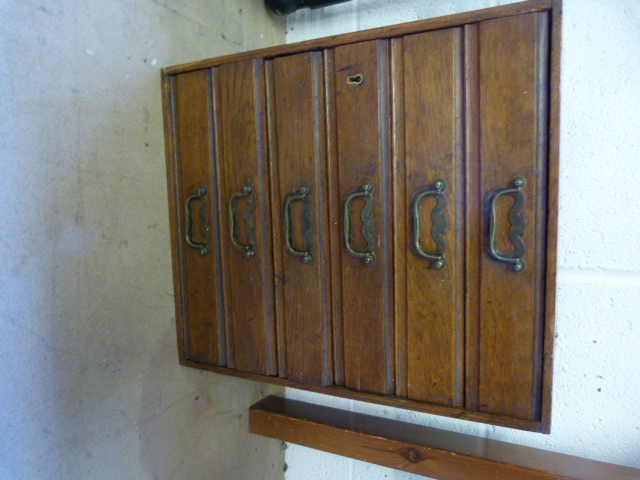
439, 222
301, 195
368, 254
200, 194
517, 220
250, 221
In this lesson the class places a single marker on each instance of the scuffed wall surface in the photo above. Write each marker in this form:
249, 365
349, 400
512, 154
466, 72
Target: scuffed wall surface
597, 366
90, 385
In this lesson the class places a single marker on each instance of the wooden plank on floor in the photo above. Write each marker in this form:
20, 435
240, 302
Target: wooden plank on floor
420, 450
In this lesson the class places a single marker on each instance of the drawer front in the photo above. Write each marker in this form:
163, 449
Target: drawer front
193, 218
429, 215
300, 212
513, 117
245, 215
361, 173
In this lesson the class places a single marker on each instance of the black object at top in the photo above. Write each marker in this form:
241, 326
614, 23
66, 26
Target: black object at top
285, 7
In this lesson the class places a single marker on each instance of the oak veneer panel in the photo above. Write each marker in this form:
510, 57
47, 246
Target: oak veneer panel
513, 86
431, 100
362, 113
203, 328
299, 160
420, 450
239, 90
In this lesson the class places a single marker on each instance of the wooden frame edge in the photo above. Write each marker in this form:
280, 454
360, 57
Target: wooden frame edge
379, 399
552, 217
168, 111
454, 20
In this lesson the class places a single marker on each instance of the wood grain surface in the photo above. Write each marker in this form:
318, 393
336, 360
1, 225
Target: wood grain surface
421, 450
248, 282
429, 102
363, 121
202, 325
513, 89
298, 159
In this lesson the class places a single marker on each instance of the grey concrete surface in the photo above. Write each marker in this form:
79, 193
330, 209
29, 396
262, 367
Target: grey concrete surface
90, 386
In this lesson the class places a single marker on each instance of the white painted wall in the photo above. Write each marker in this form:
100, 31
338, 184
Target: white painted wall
90, 386
597, 365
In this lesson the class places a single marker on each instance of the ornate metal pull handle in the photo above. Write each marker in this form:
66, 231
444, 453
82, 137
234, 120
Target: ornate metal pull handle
250, 221
517, 220
368, 254
300, 195
198, 195
439, 222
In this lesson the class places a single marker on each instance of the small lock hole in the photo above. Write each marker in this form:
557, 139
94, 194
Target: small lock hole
355, 79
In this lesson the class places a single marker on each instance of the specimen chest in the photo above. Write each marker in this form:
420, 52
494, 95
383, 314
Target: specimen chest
373, 215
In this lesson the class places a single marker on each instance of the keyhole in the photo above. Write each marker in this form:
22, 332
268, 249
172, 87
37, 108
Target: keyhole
355, 79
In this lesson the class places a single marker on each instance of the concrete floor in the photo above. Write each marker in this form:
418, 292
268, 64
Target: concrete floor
90, 385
